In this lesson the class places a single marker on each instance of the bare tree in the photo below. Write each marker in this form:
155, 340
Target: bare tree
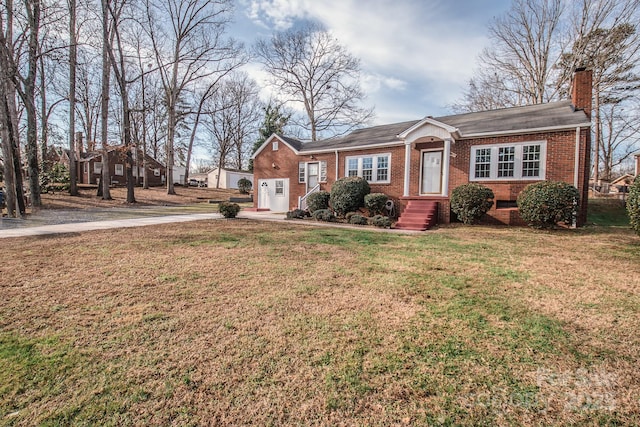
107, 40
189, 45
73, 59
309, 67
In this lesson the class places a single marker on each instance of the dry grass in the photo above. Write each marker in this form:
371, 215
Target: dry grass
248, 323
149, 197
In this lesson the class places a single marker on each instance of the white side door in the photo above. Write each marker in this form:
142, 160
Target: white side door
274, 194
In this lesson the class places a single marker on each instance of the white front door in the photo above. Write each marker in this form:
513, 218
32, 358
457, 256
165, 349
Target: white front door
431, 172
274, 194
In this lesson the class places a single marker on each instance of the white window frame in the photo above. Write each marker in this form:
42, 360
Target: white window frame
374, 172
518, 159
119, 169
274, 145
156, 172
97, 167
279, 187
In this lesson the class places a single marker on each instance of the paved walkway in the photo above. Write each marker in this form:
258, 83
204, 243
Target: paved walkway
25, 228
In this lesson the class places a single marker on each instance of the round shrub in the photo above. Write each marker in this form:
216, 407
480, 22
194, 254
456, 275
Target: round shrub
347, 194
376, 202
317, 201
323, 215
471, 201
380, 221
545, 204
357, 219
297, 214
228, 209
633, 205
244, 185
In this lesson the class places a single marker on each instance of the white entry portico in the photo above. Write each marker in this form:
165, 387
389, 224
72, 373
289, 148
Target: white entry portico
434, 164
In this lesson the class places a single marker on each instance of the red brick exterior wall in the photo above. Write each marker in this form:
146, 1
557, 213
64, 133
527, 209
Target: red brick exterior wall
560, 160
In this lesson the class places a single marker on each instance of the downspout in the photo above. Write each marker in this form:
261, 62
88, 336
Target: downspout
337, 166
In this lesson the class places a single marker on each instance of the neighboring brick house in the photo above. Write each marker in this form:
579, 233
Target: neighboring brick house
420, 162
89, 167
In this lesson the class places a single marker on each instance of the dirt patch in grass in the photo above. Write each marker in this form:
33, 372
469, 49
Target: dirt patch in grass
243, 322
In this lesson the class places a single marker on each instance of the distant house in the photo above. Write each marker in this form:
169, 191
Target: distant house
418, 163
179, 173
89, 166
637, 159
621, 184
227, 178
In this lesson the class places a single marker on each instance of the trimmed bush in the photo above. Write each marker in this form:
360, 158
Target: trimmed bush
357, 219
347, 194
244, 186
380, 221
323, 215
471, 201
547, 203
633, 205
317, 201
376, 202
228, 209
297, 214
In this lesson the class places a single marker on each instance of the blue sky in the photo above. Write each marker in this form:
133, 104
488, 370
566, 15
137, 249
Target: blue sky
416, 55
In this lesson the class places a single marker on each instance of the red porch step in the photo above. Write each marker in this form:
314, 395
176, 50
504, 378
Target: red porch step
419, 215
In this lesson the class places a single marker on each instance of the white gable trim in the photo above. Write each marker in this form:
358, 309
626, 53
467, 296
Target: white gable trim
429, 127
269, 141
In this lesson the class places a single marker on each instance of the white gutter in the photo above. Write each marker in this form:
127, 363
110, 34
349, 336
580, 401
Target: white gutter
576, 166
407, 168
521, 131
337, 166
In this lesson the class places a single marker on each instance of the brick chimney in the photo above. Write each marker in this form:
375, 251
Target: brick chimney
581, 90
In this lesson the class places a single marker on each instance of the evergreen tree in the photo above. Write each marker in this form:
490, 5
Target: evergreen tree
275, 121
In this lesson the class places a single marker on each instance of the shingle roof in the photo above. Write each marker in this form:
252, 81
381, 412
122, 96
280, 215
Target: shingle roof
531, 117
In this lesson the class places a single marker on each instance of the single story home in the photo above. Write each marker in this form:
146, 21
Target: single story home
89, 166
227, 178
419, 162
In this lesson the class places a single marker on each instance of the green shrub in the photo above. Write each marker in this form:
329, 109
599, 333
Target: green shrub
228, 209
471, 201
347, 194
376, 202
244, 185
358, 219
56, 179
297, 214
317, 201
323, 215
545, 204
633, 205
380, 221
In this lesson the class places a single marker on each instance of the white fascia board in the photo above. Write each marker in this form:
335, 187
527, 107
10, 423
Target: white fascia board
269, 141
359, 147
525, 131
431, 121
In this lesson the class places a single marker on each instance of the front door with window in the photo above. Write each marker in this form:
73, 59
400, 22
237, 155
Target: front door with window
431, 172
313, 175
273, 194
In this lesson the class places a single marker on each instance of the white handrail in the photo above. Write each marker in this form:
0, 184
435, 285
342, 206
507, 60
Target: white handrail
302, 201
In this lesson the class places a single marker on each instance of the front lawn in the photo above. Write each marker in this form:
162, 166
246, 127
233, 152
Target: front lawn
242, 322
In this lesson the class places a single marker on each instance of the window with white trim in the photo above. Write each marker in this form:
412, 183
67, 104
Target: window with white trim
519, 161
374, 168
119, 169
279, 187
274, 145
97, 167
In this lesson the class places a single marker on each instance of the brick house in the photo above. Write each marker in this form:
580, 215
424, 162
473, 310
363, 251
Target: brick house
89, 167
418, 163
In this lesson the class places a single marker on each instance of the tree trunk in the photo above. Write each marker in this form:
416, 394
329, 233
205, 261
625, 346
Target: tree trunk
170, 136
73, 57
28, 98
104, 111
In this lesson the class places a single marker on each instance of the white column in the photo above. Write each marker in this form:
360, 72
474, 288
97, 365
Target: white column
407, 167
445, 167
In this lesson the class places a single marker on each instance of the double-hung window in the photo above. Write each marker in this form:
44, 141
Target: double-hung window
516, 161
374, 168
119, 169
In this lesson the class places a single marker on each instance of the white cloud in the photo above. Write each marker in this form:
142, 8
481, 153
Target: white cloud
425, 49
